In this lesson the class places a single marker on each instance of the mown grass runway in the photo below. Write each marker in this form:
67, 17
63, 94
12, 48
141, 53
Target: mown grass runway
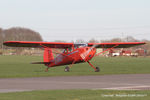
19, 66
77, 95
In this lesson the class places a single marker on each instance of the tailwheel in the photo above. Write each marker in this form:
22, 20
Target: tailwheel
46, 70
66, 69
97, 69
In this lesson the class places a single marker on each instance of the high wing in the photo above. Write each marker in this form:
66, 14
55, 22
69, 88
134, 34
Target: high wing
38, 44
69, 45
116, 45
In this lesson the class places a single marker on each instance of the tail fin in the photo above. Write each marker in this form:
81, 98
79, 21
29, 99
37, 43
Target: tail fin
48, 55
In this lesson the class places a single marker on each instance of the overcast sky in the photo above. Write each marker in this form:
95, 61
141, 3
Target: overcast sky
78, 19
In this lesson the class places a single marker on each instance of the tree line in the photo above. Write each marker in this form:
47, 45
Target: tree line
18, 34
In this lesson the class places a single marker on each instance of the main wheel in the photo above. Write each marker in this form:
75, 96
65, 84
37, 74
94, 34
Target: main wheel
97, 69
66, 69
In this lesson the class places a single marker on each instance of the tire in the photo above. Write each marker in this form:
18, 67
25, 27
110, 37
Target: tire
97, 69
66, 69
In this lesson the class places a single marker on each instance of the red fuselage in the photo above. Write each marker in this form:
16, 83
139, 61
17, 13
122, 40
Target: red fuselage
78, 55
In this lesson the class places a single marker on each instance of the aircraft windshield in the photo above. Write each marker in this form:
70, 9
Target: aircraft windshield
67, 50
64, 51
80, 45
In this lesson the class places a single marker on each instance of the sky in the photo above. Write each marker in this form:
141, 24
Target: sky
78, 19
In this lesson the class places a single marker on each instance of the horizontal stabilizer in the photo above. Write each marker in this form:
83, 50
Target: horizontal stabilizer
40, 63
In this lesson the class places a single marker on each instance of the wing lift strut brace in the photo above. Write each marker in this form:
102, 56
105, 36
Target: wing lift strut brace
107, 49
102, 53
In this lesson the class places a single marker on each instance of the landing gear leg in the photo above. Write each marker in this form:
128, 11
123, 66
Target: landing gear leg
46, 70
97, 69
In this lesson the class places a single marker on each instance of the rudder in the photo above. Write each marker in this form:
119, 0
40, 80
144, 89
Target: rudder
48, 55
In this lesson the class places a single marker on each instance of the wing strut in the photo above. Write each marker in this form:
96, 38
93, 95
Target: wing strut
107, 49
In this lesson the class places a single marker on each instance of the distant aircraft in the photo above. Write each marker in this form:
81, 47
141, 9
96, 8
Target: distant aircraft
72, 53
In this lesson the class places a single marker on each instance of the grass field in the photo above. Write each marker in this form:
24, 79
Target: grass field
19, 66
77, 95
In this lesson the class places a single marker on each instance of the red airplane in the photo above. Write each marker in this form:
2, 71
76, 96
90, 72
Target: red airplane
72, 53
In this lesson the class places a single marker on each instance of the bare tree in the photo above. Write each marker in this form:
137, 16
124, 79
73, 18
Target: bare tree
130, 39
1, 37
93, 41
18, 34
21, 34
112, 40
80, 41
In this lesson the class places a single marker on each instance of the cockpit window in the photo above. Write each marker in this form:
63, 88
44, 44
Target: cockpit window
69, 49
64, 51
